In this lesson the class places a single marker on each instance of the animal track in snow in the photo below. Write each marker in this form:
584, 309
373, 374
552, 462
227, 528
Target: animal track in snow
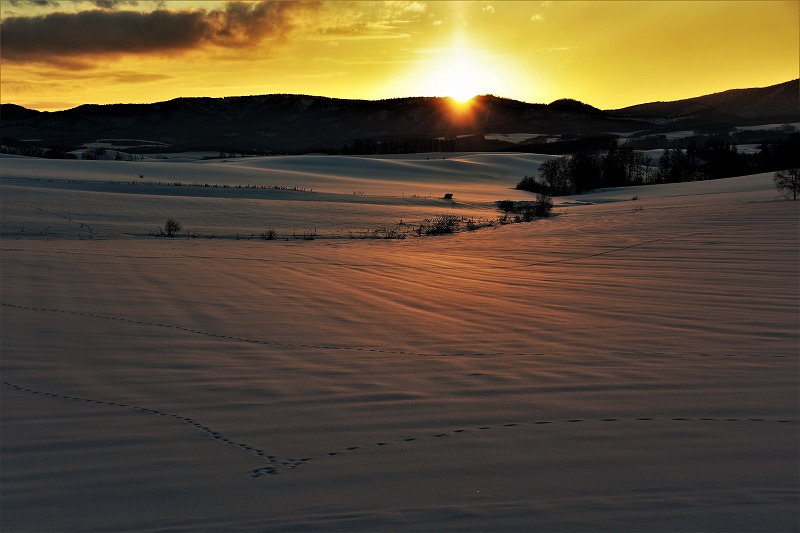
254, 450
90, 235
275, 464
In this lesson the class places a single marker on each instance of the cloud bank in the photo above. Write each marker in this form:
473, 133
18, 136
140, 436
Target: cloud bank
63, 37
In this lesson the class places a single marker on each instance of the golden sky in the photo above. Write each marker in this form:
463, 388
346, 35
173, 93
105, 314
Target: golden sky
57, 54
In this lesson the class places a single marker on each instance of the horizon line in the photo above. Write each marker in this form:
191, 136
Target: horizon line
387, 99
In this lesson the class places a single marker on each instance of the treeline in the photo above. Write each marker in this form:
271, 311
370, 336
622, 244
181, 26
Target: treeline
567, 144
410, 145
417, 145
620, 167
33, 151
59, 153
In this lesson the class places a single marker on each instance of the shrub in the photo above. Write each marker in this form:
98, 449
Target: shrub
544, 206
526, 212
269, 235
171, 227
530, 183
529, 212
506, 206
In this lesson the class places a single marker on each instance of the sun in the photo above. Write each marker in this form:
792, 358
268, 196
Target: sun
460, 71
461, 79
463, 76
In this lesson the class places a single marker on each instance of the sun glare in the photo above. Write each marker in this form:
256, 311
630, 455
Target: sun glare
463, 76
461, 82
459, 71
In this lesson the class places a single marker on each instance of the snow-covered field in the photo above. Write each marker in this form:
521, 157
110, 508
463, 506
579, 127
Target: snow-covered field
624, 365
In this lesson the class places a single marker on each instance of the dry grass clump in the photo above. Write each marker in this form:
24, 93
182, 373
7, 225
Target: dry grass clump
440, 225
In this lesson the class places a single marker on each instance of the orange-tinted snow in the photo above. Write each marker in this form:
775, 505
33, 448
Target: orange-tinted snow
622, 365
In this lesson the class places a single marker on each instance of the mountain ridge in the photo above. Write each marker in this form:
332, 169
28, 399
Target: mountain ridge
749, 102
296, 123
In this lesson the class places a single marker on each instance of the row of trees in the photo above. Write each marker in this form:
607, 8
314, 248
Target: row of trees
59, 153
715, 159
583, 171
409, 145
33, 151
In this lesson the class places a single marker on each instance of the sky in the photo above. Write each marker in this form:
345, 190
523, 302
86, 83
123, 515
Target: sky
58, 54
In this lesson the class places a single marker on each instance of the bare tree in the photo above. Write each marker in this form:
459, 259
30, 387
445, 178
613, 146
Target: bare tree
787, 182
171, 227
555, 174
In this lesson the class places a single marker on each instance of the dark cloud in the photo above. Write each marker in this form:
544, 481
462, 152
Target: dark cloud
241, 23
62, 38
102, 4
62, 35
36, 3
114, 4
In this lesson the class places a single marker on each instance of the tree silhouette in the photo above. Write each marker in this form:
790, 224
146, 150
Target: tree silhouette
787, 181
171, 227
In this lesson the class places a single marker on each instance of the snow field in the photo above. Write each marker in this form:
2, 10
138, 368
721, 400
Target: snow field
626, 364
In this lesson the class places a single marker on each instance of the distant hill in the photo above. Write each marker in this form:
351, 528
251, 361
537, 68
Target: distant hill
776, 103
298, 123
